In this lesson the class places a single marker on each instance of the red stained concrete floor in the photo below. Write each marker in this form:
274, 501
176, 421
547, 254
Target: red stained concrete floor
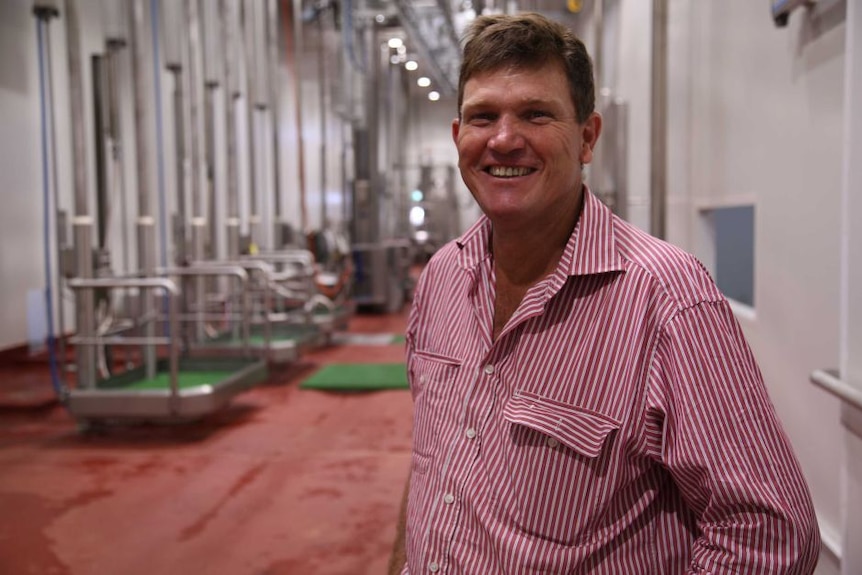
285, 481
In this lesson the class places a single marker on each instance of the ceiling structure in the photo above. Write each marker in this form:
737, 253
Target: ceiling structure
433, 28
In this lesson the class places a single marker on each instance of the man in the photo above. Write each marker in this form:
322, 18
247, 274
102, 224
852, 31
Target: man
584, 399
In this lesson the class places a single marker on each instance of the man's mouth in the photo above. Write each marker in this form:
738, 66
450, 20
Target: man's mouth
508, 171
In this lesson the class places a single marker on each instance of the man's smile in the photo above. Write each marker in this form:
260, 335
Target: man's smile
508, 171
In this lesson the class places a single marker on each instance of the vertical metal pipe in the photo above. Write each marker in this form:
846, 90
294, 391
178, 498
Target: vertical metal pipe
261, 93
82, 228
321, 81
114, 130
82, 223
173, 14
198, 219
194, 81
212, 55
275, 102
180, 165
658, 129
293, 43
146, 222
141, 140
228, 8
599, 49
76, 102
55, 199
102, 201
246, 31
173, 351
210, 165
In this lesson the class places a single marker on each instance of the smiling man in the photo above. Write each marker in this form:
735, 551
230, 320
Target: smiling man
584, 400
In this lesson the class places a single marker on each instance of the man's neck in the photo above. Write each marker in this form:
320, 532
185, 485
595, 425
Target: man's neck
525, 255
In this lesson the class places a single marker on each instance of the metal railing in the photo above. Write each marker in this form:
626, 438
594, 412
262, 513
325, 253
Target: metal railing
830, 381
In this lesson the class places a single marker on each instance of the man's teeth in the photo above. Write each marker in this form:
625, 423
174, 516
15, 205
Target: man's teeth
508, 171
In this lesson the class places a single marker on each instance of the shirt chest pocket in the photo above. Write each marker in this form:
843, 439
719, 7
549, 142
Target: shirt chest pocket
433, 376
553, 464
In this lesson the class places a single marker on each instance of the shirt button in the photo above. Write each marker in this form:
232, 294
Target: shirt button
433, 567
552, 442
489, 369
449, 499
470, 433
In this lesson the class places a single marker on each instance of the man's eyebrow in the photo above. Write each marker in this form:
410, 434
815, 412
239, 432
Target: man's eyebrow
527, 103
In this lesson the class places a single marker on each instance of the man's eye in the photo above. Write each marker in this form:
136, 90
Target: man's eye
480, 118
537, 115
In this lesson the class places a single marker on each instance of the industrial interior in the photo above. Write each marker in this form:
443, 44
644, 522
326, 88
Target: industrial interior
230, 202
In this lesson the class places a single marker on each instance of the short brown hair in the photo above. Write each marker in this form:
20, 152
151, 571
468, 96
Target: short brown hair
524, 41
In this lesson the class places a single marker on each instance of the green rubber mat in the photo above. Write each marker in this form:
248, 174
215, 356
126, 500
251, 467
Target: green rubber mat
185, 380
358, 377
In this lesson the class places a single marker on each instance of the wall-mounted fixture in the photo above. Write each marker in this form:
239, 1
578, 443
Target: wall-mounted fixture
781, 9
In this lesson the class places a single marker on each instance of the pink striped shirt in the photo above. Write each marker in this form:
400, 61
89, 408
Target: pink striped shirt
619, 424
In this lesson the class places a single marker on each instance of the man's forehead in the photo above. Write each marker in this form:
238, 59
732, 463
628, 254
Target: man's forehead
483, 89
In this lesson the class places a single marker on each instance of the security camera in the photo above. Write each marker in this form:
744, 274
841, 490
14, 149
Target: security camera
781, 10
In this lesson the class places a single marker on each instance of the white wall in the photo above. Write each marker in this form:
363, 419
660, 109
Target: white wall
756, 117
20, 170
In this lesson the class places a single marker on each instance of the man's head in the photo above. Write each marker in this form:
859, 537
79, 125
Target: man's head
528, 41
526, 124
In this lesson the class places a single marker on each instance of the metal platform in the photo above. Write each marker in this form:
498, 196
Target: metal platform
284, 344
202, 387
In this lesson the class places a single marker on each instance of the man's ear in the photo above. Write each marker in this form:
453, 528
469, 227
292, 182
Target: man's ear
456, 127
590, 132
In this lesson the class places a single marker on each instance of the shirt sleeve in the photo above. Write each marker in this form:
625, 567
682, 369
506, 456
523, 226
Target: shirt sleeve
725, 448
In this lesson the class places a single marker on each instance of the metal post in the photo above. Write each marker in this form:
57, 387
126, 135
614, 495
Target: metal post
658, 143
228, 8
44, 11
82, 223
321, 82
275, 101
294, 47
212, 57
145, 223
246, 30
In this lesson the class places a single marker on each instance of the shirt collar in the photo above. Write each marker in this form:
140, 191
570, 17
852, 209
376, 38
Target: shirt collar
591, 248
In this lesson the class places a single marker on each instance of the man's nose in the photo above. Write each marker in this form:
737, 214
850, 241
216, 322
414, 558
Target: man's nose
507, 136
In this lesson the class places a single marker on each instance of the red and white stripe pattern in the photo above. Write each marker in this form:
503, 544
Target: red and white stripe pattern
618, 425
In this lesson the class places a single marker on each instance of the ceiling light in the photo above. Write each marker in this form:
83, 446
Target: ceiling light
423, 82
396, 42
411, 65
433, 95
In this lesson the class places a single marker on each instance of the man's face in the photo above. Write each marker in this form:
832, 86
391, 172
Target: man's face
520, 145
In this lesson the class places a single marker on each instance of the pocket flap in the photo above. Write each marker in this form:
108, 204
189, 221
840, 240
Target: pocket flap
581, 430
